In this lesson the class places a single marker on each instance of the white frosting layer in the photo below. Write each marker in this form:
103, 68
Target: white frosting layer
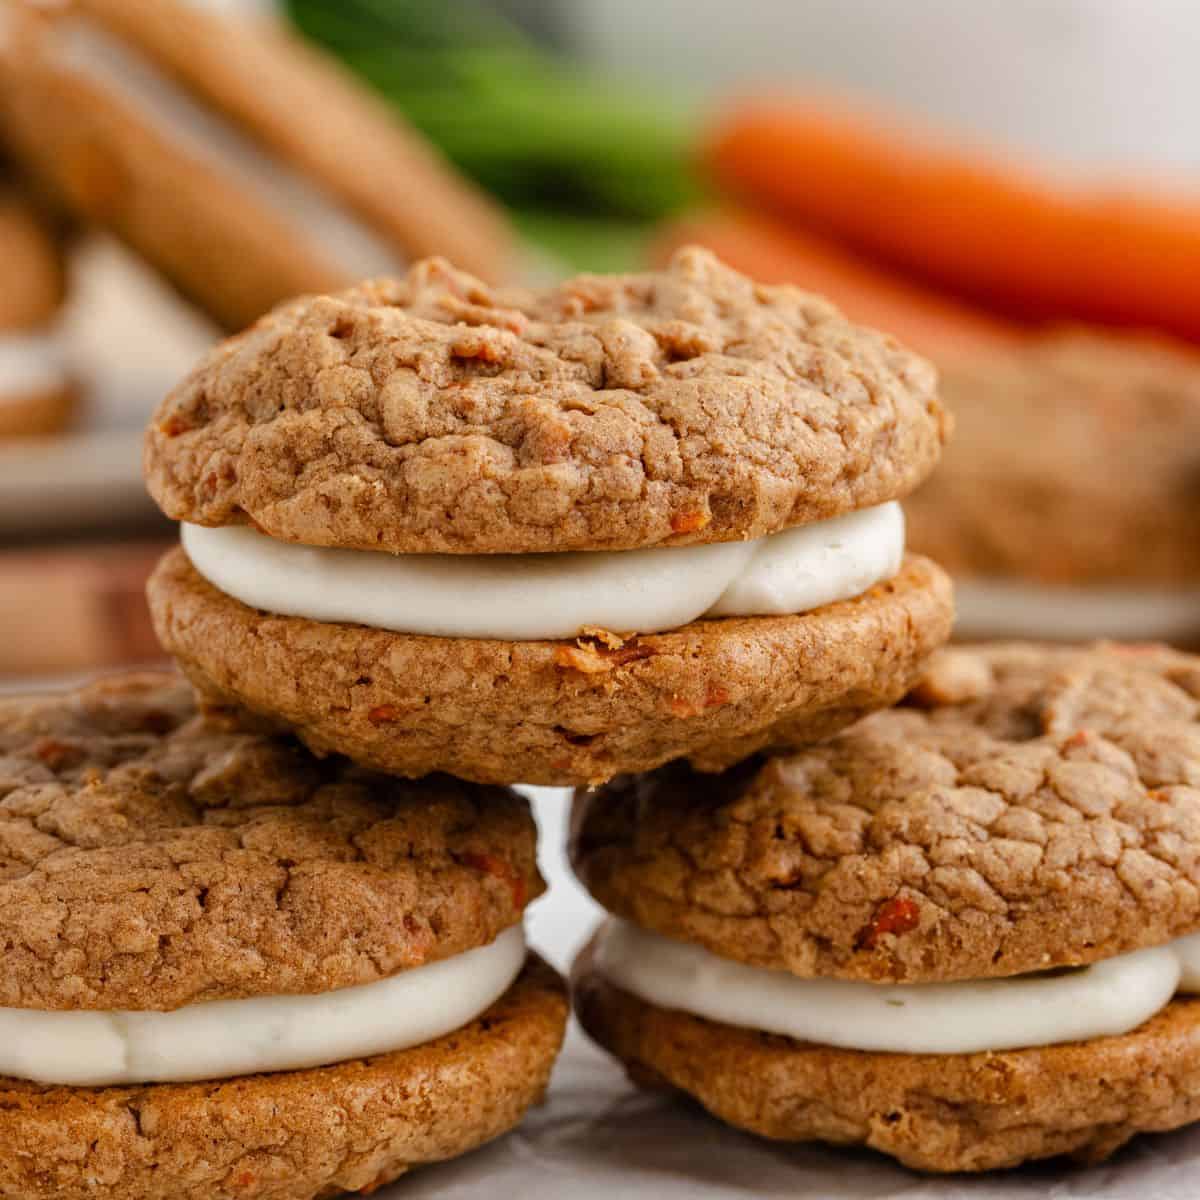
31, 363
342, 237
532, 596
227, 1038
801, 569
1105, 999
1006, 609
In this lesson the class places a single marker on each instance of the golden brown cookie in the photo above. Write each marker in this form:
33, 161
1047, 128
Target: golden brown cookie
556, 712
933, 1112
435, 415
34, 269
432, 416
240, 162
1027, 808
154, 859
295, 1135
37, 394
151, 857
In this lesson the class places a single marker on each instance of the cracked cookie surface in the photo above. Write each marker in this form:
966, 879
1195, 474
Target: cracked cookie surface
294, 1135
433, 414
948, 1112
1027, 808
152, 857
556, 712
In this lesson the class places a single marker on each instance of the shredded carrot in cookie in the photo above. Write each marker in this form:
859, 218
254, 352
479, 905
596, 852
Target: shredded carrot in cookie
898, 915
591, 659
689, 522
491, 864
384, 714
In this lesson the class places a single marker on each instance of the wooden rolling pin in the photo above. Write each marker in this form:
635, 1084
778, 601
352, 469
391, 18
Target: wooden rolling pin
75, 608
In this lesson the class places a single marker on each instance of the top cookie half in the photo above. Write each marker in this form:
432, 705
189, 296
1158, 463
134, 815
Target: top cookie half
434, 414
1029, 808
154, 856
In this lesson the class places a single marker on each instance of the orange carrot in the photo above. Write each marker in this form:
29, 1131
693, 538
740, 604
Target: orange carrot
773, 253
981, 230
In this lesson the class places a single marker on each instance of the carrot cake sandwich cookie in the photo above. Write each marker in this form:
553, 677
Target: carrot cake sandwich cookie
1067, 506
37, 394
243, 164
232, 970
965, 933
550, 537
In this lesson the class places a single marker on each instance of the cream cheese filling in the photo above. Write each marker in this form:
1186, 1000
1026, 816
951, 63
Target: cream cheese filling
346, 240
1079, 1004
543, 596
1013, 609
226, 1038
31, 364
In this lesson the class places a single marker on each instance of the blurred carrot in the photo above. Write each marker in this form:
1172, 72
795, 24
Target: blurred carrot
773, 253
982, 230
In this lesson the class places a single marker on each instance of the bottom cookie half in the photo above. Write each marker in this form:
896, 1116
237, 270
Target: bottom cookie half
971, 1112
294, 1135
556, 713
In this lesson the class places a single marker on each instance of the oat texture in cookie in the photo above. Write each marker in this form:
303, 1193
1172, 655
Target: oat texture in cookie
210, 930
436, 415
1026, 808
157, 858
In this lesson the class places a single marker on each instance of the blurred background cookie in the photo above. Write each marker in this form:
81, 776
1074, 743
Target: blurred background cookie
37, 392
1069, 502
244, 165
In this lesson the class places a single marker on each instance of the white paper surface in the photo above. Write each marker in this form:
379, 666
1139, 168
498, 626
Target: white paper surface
598, 1137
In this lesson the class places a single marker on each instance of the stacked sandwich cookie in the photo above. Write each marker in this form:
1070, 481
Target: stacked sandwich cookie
550, 537
37, 395
520, 537
233, 970
965, 933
